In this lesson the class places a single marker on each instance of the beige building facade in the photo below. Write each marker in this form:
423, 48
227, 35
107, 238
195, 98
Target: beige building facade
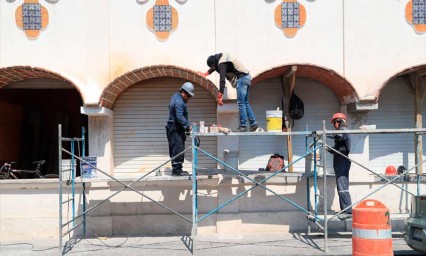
112, 66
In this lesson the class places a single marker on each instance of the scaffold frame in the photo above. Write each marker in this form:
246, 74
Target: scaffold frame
312, 214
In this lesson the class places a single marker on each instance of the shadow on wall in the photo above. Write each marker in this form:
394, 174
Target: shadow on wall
130, 214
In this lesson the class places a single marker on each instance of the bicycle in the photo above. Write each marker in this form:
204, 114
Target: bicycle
6, 171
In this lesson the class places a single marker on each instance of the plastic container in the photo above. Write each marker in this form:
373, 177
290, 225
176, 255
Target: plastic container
202, 130
88, 171
214, 129
274, 120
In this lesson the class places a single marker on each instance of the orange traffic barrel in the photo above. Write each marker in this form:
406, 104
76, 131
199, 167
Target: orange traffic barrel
371, 229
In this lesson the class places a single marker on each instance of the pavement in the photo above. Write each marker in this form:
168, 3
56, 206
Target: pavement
258, 244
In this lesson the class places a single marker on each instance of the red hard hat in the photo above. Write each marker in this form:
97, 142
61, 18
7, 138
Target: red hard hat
390, 170
338, 116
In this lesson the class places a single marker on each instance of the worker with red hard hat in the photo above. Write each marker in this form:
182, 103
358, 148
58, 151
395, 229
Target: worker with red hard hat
342, 165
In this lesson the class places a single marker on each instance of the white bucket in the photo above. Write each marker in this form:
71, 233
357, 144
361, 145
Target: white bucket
274, 120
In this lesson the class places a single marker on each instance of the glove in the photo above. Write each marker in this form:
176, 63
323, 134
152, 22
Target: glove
203, 74
219, 99
188, 130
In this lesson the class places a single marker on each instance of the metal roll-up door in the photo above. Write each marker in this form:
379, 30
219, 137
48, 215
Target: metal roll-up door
320, 104
140, 116
396, 111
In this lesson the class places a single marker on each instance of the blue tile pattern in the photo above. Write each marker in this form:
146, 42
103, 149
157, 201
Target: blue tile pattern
419, 12
290, 14
162, 18
31, 14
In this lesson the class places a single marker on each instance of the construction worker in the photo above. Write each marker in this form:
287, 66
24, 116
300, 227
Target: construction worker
341, 165
178, 125
230, 68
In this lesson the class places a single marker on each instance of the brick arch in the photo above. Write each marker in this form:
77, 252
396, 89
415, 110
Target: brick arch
121, 83
14, 74
376, 91
338, 84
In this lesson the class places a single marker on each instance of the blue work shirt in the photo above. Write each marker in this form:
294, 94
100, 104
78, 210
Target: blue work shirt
342, 143
178, 113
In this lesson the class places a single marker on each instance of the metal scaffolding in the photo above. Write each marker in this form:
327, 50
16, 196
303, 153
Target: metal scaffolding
318, 143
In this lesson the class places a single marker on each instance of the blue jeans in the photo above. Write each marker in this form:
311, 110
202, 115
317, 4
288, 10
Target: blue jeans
245, 111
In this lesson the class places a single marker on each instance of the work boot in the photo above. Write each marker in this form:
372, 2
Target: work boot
180, 173
242, 129
254, 127
345, 216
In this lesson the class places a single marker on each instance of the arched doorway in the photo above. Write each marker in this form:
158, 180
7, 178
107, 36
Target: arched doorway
33, 102
396, 100
323, 91
140, 101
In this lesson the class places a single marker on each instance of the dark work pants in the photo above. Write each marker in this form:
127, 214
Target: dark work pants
342, 182
176, 139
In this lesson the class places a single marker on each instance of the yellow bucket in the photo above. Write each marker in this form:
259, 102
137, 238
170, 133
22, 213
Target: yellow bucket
274, 120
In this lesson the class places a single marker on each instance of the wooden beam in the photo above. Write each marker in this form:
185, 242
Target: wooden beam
410, 83
288, 82
291, 71
421, 72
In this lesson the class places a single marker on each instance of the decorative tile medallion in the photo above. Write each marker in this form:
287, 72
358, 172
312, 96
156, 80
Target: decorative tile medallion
162, 19
415, 13
32, 18
419, 12
290, 16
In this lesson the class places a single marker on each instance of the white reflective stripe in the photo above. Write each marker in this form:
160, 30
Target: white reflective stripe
371, 233
343, 191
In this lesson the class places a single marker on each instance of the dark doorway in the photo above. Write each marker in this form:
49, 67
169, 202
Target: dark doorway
29, 124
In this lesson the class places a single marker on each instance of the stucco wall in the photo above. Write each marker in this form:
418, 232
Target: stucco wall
93, 42
31, 209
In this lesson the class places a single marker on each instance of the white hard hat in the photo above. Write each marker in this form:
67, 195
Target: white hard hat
189, 88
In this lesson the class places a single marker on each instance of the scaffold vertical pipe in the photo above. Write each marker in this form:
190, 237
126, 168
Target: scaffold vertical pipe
83, 153
324, 164
72, 182
194, 191
315, 179
308, 189
60, 186
419, 158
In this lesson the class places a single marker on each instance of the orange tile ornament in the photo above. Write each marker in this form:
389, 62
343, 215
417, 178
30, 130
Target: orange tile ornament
290, 16
32, 18
415, 13
162, 19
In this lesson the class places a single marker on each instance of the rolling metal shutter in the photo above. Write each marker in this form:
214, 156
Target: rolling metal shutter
396, 111
319, 102
140, 116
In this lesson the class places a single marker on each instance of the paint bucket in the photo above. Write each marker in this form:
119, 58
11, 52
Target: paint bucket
274, 120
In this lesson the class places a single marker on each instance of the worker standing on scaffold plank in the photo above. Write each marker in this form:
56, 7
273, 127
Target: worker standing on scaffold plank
341, 165
177, 125
230, 68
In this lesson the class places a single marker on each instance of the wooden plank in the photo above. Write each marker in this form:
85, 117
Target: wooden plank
288, 82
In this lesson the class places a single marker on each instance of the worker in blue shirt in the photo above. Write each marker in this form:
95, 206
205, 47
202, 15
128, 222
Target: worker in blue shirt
178, 125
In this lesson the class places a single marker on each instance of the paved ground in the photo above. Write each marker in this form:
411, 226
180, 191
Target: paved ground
267, 244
